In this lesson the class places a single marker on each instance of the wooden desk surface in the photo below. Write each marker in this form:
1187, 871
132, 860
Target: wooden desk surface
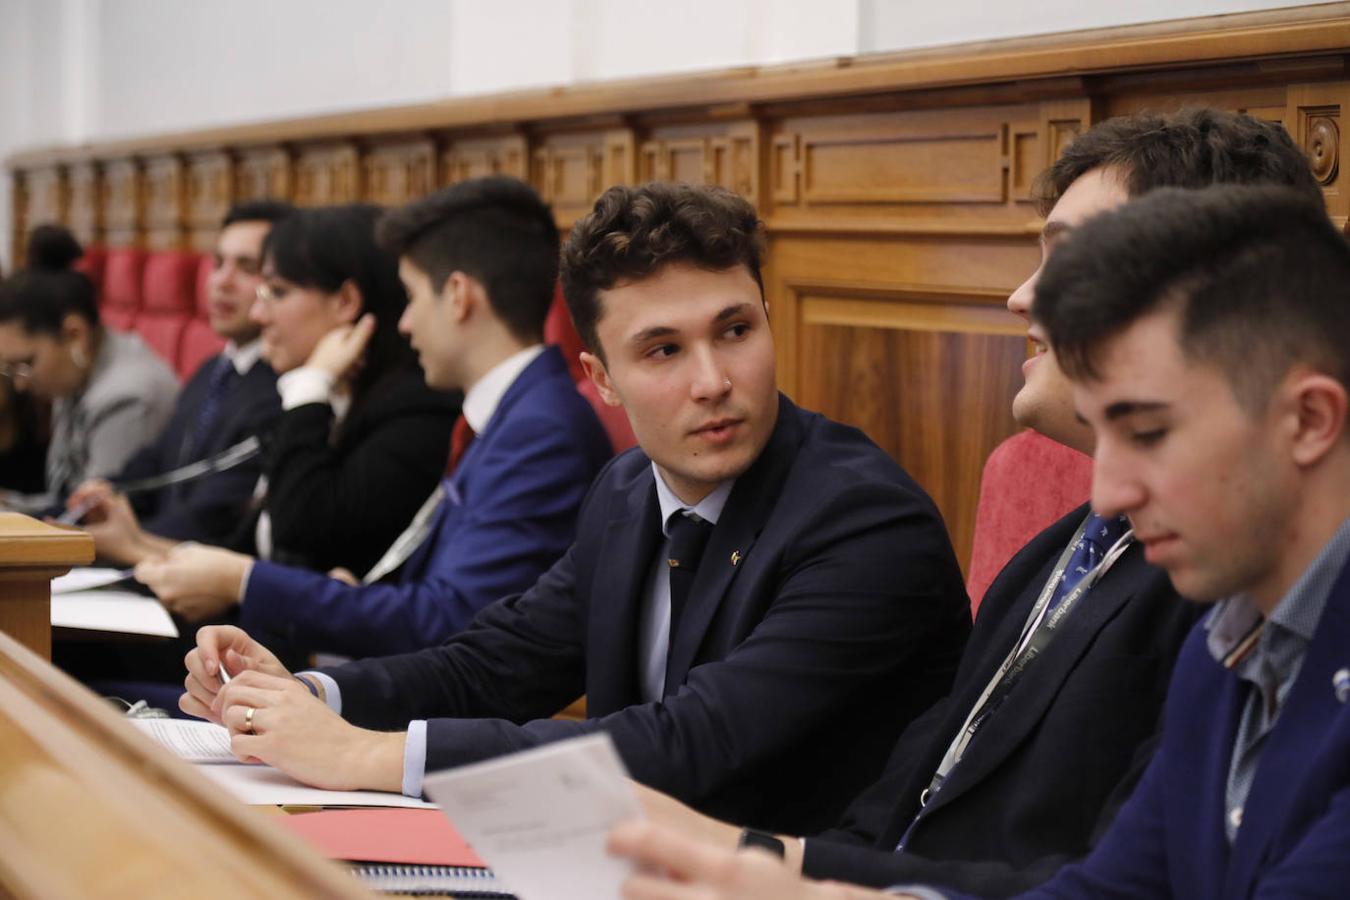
32, 553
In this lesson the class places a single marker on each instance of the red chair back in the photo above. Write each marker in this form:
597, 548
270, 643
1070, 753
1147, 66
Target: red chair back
92, 264
120, 301
200, 342
559, 330
167, 301
1029, 483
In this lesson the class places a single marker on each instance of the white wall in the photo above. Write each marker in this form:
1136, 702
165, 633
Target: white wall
91, 70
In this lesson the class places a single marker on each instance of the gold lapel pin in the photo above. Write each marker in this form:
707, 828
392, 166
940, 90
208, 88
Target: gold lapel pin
735, 557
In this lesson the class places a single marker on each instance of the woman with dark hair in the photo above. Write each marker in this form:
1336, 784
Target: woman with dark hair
109, 391
361, 442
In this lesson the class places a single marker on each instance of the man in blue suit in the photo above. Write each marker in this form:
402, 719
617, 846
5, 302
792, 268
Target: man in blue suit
480, 262
1204, 332
753, 590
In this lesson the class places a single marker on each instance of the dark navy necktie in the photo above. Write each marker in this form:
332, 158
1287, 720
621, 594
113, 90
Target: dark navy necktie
688, 537
1099, 536
221, 380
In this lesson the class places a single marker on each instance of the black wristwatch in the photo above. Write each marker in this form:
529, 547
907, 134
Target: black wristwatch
763, 840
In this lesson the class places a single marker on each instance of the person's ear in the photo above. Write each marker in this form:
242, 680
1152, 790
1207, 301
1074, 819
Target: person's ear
350, 303
599, 376
463, 294
1316, 405
77, 338
75, 330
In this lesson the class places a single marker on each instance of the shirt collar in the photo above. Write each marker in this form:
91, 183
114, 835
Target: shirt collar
709, 508
1236, 618
243, 357
482, 398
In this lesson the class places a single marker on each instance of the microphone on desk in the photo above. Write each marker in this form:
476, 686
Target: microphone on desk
226, 459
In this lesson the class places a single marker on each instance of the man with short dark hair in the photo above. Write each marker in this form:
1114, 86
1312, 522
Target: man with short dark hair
479, 261
232, 396
966, 801
753, 590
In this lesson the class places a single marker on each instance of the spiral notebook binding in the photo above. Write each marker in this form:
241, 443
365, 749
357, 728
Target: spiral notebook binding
432, 881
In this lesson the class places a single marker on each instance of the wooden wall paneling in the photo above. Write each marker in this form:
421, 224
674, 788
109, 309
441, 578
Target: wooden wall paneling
399, 171
945, 170
166, 202
1060, 122
570, 169
18, 218
1313, 118
46, 197
724, 153
124, 203
908, 339
84, 215
478, 156
264, 173
210, 193
328, 173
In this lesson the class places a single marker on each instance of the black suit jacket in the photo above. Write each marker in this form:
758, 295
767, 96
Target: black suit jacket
827, 612
206, 509
1050, 768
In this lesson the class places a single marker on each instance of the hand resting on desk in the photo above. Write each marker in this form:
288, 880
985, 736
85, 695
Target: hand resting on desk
292, 729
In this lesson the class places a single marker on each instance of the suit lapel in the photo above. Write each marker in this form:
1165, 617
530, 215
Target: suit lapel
617, 595
1293, 745
541, 367
1024, 708
743, 518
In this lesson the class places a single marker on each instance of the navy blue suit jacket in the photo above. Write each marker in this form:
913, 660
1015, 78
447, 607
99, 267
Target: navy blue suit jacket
207, 509
510, 512
1052, 765
1168, 840
827, 612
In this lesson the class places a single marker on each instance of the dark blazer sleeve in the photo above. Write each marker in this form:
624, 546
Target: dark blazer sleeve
210, 509
840, 613
518, 516
342, 504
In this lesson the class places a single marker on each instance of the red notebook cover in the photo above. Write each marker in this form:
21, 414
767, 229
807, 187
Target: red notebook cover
417, 837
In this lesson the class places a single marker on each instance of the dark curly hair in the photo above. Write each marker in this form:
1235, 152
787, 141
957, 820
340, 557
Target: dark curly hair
634, 232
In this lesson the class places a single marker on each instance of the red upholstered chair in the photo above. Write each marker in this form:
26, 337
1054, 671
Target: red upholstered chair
200, 342
1029, 483
122, 287
559, 330
167, 300
92, 264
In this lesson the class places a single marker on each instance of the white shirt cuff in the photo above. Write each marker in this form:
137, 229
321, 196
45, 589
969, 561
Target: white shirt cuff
332, 694
243, 583
304, 385
916, 890
415, 758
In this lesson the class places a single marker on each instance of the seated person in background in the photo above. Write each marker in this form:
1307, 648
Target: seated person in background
480, 261
752, 590
1204, 335
361, 440
975, 811
24, 434
232, 396
109, 390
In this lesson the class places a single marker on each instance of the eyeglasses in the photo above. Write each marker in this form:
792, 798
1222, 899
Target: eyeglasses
268, 294
14, 371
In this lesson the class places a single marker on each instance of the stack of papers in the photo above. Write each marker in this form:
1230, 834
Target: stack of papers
208, 745
91, 599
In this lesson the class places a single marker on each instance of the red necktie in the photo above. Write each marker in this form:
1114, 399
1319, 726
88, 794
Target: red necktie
461, 436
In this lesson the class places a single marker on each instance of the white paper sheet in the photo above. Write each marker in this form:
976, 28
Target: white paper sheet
119, 611
540, 818
190, 739
84, 579
266, 786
